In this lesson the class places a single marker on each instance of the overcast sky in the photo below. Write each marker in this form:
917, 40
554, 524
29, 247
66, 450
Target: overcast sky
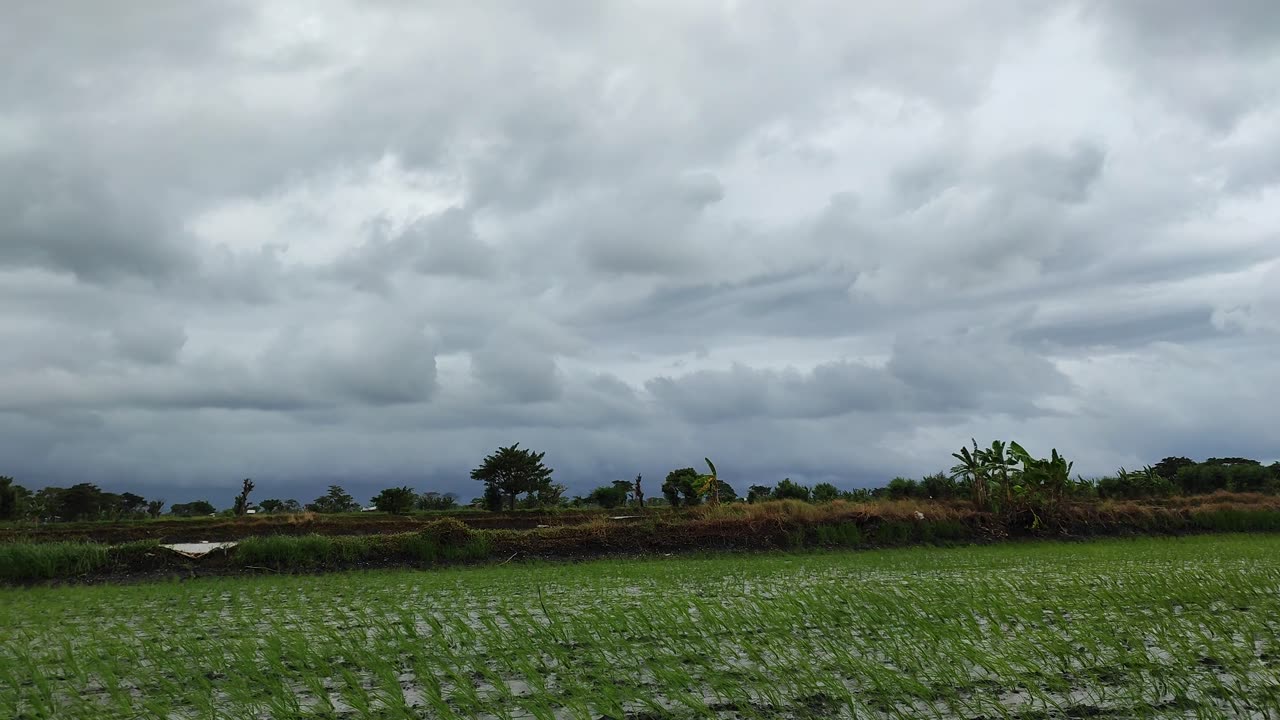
369, 242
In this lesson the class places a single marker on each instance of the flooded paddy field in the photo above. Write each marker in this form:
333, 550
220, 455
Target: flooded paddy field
1161, 628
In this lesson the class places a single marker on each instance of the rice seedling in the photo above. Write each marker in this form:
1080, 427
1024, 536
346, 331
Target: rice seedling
1161, 628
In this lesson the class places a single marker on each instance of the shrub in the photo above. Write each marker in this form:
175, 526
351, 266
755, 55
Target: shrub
893, 532
447, 539
846, 534
825, 492
1231, 519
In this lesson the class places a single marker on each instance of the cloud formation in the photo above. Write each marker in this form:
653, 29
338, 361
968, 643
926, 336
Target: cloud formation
371, 241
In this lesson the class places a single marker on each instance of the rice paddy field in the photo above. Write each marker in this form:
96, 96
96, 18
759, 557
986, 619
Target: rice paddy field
1158, 628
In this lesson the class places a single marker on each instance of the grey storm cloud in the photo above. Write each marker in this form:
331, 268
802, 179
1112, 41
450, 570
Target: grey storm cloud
368, 242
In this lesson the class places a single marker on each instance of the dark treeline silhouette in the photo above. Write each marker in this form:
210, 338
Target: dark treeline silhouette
1002, 478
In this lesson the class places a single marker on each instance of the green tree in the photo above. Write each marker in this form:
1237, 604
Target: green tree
271, 505
513, 471
610, 496
130, 503
759, 493
432, 500
1168, 467
154, 508
335, 501
192, 509
726, 492
397, 500
681, 487
938, 486
638, 492
46, 503
82, 501
9, 508
900, 487
791, 490
241, 505
492, 498
825, 492
547, 495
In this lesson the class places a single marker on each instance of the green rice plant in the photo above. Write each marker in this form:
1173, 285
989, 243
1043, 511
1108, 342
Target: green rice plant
21, 562
283, 552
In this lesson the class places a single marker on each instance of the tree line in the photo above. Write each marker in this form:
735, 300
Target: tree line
1002, 477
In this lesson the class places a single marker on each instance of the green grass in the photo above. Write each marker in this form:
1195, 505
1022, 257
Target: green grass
1173, 627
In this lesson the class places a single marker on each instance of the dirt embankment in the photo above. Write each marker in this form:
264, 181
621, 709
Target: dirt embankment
222, 529
788, 525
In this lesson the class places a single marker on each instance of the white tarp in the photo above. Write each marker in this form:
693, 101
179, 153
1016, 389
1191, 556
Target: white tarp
200, 549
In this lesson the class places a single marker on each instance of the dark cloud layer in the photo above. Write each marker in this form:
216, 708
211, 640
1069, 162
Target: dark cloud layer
369, 242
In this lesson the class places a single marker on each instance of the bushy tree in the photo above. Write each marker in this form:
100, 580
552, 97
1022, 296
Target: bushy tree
192, 509
335, 501
131, 503
681, 487
513, 471
856, 495
548, 495
825, 492
788, 489
271, 505
241, 505
45, 504
155, 508
492, 498
759, 493
398, 500
9, 509
610, 496
1168, 467
432, 500
900, 487
82, 501
1130, 485
726, 492
938, 486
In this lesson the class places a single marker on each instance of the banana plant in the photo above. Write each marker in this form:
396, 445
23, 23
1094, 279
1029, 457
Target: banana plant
999, 465
973, 469
709, 484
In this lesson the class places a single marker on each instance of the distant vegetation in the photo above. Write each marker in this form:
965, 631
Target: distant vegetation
1001, 478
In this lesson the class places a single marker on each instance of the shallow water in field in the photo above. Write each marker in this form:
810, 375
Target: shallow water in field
1151, 628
